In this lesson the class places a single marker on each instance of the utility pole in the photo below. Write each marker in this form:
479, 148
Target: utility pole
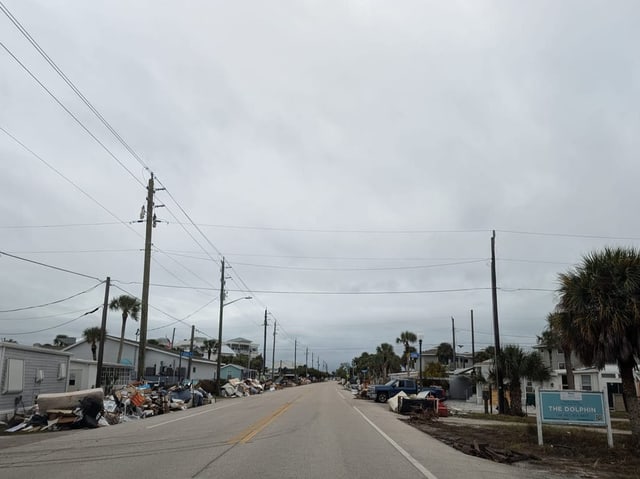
222, 295
473, 345
264, 349
193, 329
103, 332
306, 362
312, 360
273, 352
295, 352
496, 331
453, 332
144, 316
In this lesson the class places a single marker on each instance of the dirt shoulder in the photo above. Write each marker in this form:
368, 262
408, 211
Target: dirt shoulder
571, 452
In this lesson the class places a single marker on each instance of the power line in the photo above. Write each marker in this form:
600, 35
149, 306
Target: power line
127, 224
67, 225
175, 320
38, 318
569, 235
388, 268
58, 301
58, 172
341, 231
49, 266
73, 87
77, 120
56, 326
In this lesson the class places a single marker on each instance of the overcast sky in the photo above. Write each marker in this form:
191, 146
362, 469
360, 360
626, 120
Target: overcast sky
349, 159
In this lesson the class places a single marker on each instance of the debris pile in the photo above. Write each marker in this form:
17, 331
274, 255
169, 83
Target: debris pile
239, 388
90, 408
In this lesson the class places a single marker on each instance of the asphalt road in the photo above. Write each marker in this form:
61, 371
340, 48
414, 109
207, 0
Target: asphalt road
315, 431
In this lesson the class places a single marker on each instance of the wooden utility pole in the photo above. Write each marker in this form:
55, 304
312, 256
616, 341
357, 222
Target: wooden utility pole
295, 352
473, 344
273, 352
219, 345
193, 330
496, 331
103, 333
264, 347
453, 332
306, 362
144, 316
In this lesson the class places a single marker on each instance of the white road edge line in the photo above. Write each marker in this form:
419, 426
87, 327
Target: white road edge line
425, 472
188, 417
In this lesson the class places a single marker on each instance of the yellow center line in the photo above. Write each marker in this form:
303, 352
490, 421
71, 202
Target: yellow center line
249, 433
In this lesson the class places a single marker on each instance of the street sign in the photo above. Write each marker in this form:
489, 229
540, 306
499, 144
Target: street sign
186, 354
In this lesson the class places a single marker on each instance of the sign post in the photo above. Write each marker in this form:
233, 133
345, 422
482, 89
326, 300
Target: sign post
578, 408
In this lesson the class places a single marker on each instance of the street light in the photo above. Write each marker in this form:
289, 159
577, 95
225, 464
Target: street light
420, 361
222, 305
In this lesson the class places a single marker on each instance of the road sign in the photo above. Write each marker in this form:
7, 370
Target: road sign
186, 354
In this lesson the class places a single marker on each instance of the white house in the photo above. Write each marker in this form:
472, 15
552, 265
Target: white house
26, 371
243, 346
158, 362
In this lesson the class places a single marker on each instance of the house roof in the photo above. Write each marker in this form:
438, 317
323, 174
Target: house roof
23, 347
148, 348
239, 340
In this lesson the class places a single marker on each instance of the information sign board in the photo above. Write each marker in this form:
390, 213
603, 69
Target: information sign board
577, 407
585, 408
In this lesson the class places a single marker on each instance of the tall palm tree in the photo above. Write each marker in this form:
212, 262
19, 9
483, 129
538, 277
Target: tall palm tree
602, 294
555, 337
387, 357
517, 364
407, 338
92, 336
129, 306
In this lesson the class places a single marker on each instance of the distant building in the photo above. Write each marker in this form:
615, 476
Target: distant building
243, 346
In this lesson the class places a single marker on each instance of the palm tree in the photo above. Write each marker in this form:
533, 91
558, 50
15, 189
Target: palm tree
517, 364
602, 294
444, 353
554, 337
387, 358
129, 306
407, 338
92, 335
209, 345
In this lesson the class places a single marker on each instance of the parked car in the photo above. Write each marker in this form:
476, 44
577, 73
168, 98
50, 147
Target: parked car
382, 392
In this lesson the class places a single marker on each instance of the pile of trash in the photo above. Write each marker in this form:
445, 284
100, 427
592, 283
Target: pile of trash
90, 408
239, 388
74, 410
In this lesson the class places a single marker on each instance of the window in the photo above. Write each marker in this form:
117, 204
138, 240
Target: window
529, 387
62, 370
14, 378
586, 383
561, 366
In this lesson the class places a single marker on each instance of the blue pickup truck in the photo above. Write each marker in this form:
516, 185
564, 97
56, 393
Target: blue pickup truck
382, 392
